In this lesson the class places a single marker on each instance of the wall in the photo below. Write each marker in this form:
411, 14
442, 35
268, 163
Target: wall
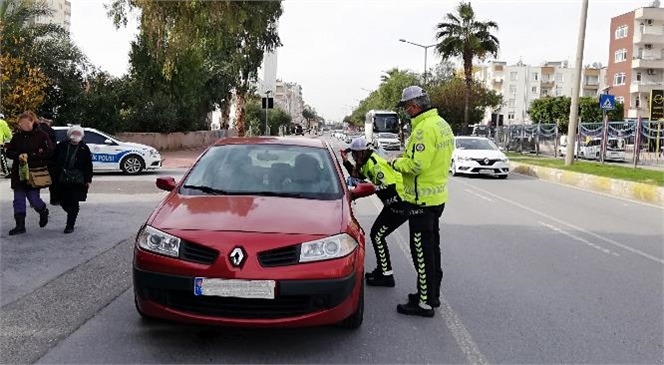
625, 66
176, 141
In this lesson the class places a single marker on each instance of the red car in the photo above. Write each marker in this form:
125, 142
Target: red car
258, 233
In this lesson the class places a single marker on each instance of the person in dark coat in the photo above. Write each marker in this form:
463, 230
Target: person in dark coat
73, 174
32, 146
44, 124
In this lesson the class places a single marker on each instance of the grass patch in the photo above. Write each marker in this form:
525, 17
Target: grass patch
646, 176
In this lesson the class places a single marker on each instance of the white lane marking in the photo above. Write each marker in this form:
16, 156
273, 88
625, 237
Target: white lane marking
547, 216
480, 195
592, 191
461, 335
580, 239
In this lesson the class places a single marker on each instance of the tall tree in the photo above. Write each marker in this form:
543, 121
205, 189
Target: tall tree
48, 48
461, 35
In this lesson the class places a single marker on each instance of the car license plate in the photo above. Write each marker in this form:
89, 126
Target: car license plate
248, 289
490, 172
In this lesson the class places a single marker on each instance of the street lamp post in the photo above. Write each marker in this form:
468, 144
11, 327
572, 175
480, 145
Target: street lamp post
267, 105
426, 48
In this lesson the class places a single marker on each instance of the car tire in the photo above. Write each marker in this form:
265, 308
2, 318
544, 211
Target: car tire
503, 177
132, 165
454, 170
354, 321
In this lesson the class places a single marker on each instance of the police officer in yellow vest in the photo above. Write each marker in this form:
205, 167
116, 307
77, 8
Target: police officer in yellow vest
5, 137
424, 167
389, 189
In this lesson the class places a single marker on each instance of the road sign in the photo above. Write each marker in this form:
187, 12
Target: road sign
607, 102
657, 105
267, 103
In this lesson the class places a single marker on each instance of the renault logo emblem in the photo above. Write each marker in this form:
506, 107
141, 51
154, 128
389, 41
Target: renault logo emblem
486, 161
237, 257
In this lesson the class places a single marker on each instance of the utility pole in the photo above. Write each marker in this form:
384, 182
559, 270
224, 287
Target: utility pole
574, 108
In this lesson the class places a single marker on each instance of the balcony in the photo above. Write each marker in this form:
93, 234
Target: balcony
656, 14
546, 84
648, 62
645, 86
649, 35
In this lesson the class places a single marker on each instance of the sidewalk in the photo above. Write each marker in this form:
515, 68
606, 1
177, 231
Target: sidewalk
181, 158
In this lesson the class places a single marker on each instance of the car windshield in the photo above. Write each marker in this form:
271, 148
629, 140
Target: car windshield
265, 170
616, 144
475, 144
387, 135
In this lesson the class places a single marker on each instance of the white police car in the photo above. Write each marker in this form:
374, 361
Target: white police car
111, 154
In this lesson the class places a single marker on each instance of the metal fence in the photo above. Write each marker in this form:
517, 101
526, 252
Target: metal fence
546, 139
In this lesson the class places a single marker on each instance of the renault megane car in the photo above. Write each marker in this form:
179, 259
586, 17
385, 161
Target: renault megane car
259, 232
478, 156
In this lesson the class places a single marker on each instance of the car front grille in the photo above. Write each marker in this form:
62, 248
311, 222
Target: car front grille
223, 307
280, 257
485, 162
190, 251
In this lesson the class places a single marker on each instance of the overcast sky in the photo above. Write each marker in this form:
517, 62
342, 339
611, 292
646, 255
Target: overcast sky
336, 49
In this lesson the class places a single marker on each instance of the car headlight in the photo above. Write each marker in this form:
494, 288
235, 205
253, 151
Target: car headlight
504, 159
327, 248
154, 240
464, 158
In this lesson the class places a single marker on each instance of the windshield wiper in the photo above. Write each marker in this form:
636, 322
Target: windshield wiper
207, 189
275, 193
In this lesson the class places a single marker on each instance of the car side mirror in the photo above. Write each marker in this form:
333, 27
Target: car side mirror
501, 148
166, 183
108, 141
362, 190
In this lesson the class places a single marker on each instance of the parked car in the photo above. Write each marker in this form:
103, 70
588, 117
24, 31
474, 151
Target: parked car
111, 154
389, 141
236, 243
478, 156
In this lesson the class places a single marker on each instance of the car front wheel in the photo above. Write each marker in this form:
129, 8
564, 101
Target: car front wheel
132, 165
354, 321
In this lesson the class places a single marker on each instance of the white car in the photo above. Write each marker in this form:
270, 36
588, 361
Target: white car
389, 141
111, 154
478, 156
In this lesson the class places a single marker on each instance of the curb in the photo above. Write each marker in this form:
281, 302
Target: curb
651, 194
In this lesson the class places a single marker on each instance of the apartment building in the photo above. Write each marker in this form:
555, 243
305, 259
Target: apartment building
288, 96
520, 84
636, 58
61, 14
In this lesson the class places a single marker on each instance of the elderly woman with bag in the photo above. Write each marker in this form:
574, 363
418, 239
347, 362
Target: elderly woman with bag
30, 149
73, 174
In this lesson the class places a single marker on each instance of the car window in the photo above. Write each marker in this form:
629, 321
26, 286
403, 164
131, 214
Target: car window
60, 135
387, 135
93, 138
475, 144
266, 170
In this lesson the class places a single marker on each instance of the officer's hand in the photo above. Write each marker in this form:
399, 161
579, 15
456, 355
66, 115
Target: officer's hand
344, 155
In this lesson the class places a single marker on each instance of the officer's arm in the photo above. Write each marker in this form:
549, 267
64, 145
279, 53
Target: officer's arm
423, 150
349, 167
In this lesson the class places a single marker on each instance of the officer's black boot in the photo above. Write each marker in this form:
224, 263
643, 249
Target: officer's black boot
20, 225
416, 309
43, 217
378, 279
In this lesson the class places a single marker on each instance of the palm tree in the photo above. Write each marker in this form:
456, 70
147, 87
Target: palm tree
461, 35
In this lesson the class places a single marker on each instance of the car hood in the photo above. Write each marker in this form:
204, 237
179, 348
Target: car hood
250, 214
491, 154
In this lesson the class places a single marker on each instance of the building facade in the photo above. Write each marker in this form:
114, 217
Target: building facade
636, 58
61, 14
288, 97
520, 84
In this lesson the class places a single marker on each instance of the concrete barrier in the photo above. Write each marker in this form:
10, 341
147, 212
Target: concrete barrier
176, 141
652, 194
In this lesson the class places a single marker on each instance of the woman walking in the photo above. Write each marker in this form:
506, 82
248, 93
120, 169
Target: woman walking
73, 174
30, 149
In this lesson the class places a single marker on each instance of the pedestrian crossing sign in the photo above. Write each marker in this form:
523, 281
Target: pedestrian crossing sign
607, 102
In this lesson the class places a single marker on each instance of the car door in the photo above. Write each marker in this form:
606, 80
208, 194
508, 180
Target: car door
104, 156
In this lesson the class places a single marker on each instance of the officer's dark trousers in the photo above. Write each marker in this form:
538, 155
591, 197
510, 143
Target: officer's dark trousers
424, 224
389, 219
